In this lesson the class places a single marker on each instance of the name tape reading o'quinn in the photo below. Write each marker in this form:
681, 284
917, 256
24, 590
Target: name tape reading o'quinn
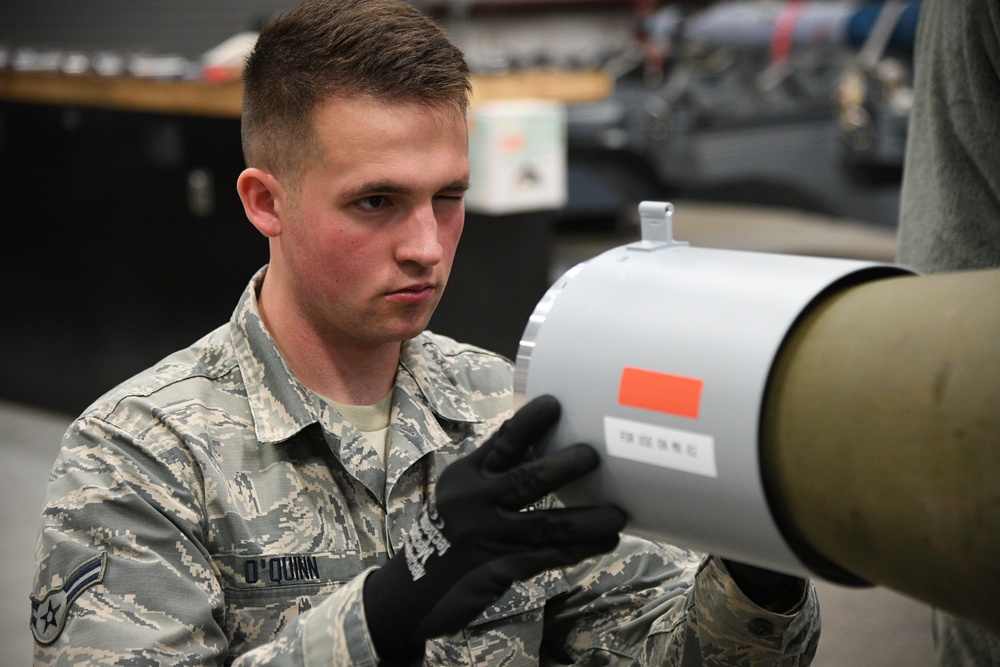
660, 392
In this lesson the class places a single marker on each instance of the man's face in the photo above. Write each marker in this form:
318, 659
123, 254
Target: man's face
367, 242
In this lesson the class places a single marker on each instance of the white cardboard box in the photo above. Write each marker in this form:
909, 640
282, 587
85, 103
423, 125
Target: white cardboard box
517, 156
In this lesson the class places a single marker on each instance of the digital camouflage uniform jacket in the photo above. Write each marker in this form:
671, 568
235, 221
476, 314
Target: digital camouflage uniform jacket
213, 510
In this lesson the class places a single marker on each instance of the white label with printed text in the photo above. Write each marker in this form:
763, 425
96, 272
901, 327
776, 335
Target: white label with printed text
660, 446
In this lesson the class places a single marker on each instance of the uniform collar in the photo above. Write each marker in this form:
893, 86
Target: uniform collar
282, 406
424, 362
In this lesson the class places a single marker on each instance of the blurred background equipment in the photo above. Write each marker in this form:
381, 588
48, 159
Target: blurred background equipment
790, 103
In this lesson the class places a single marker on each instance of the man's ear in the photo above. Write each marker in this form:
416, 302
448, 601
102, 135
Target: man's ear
260, 193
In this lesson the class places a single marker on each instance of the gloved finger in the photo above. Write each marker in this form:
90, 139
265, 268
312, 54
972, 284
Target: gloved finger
753, 575
481, 587
488, 582
508, 446
564, 526
519, 567
534, 480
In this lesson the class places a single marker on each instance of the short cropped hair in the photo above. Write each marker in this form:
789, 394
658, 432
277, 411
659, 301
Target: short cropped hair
322, 49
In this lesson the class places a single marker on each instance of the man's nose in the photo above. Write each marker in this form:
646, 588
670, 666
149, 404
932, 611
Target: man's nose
419, 240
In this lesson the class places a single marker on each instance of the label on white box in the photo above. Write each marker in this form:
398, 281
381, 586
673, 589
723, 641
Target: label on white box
517, 156
660, 446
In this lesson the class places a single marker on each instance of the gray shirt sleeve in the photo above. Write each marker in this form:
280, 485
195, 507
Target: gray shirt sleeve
950, 206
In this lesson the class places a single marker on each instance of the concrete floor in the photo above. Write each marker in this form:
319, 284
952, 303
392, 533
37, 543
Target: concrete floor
861, 628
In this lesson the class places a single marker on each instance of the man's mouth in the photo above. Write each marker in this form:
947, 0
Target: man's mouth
412, 294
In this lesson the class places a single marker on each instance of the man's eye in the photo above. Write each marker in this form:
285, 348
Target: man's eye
373, 202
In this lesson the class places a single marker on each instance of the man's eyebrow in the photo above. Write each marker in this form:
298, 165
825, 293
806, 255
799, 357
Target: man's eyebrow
457, 186
374, 187
388, 188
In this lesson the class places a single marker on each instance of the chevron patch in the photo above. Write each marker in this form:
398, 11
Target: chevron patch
49, 612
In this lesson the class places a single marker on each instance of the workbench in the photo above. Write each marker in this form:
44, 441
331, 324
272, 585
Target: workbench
223, 100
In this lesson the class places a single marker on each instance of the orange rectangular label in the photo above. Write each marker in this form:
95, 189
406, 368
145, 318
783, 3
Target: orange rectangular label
661, 392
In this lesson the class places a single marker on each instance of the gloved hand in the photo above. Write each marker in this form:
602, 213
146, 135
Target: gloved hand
472, 540
774, 591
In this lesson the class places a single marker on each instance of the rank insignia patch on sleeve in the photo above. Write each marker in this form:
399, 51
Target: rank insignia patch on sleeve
49, 612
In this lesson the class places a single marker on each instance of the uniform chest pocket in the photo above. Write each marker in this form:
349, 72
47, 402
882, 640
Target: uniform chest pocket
266, 592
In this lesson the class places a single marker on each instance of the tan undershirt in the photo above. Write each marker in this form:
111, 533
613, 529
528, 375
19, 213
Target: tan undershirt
372, 421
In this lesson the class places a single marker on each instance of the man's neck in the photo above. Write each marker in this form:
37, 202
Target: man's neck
348, 377
341, 371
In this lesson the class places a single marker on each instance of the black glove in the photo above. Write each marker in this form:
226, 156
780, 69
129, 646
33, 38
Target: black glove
472, 540
767, 589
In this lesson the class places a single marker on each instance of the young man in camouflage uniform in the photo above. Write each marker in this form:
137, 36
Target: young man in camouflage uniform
320, 481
